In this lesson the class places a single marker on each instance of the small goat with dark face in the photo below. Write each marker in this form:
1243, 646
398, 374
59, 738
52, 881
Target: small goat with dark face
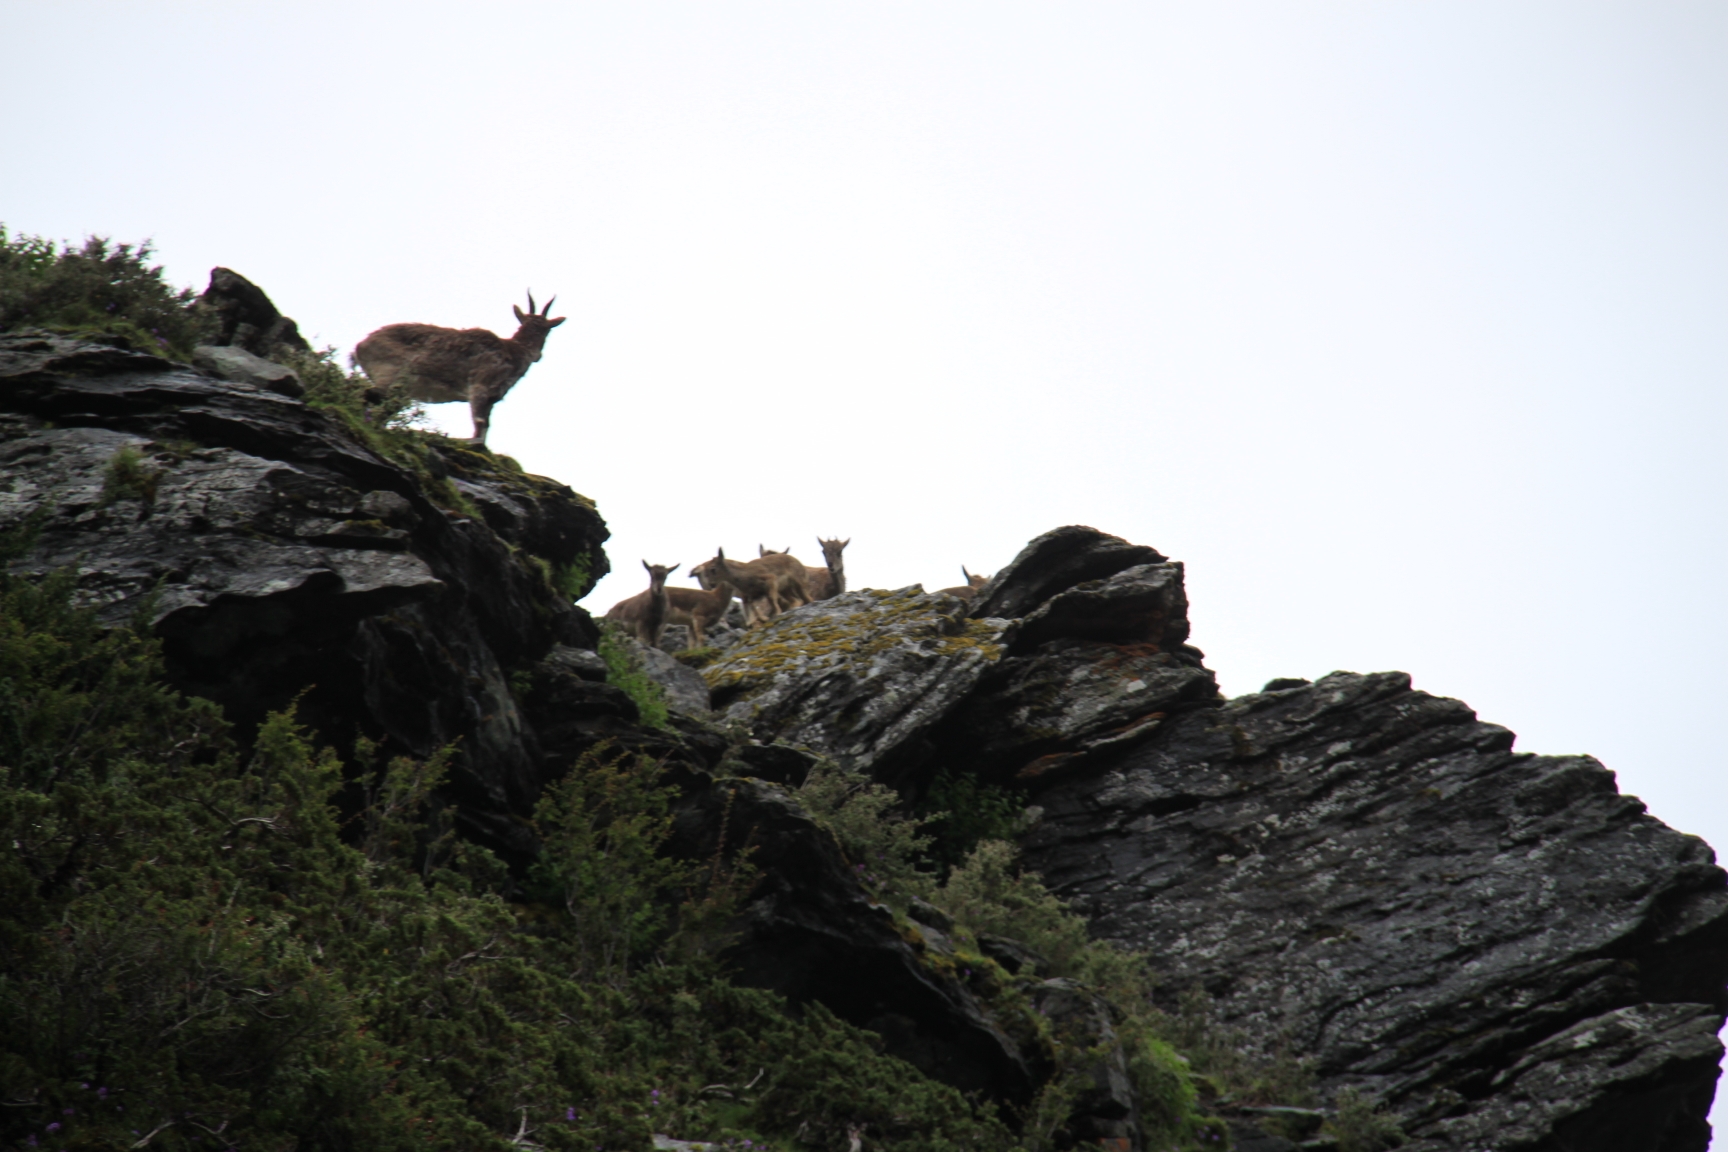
440, 365
645, 613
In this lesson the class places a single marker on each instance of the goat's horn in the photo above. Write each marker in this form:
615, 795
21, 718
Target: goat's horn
530, 300
547, 311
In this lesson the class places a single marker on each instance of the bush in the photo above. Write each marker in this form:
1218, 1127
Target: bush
195, 949
961, 810
97, 289
624, 670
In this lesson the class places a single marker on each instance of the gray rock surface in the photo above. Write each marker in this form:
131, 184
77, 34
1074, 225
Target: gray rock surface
685, 689
1053, 563
237, 364
860, 677
810, 932
240, 314
273, 551
1375, 874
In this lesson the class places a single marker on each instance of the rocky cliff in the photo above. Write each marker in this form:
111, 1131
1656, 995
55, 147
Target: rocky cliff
1498, 947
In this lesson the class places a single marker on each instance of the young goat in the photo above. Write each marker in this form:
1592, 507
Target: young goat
646, 613
767, 586
440, 365
969, 589
698, 610
821, 583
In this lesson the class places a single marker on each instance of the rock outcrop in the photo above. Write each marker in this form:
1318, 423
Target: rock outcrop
239, 314
281, 559
1499, 947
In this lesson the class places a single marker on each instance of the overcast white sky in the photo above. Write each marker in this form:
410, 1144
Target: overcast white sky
1402, 324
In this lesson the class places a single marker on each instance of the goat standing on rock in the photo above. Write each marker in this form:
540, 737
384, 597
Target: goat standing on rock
645, 613
441, 365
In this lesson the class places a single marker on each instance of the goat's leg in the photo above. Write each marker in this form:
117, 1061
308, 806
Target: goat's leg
480, 407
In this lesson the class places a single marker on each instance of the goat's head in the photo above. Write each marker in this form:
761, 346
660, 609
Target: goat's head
535, 325
657, 574
831, 550
973, 579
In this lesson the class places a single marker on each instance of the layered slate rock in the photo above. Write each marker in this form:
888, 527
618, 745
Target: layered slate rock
1055, 562
810, 932
1500, 946
282, 560
860, 677
1093, 667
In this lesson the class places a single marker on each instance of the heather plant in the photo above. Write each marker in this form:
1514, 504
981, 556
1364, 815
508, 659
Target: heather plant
98, 288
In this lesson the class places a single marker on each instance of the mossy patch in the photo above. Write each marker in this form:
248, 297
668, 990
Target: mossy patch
808, 643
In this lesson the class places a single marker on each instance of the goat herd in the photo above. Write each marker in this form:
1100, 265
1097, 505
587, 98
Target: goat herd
773, 583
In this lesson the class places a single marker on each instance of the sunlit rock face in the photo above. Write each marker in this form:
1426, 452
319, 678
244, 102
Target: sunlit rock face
1501, 946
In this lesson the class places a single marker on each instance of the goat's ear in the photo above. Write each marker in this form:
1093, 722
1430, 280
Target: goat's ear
518, 310
846, 541
645, 565
558, 321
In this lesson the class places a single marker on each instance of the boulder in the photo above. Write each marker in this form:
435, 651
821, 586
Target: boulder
237, 364
238, 313
1499, 946
860, 677
1055, 562
685, 689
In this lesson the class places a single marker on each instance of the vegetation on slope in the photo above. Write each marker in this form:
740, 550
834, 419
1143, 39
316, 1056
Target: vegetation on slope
99, 288
197, 950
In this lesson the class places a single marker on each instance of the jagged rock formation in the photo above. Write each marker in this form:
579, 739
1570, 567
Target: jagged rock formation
1501, 947
280, 558
1372, 873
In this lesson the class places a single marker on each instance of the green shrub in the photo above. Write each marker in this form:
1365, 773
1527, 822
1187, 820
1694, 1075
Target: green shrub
195, 949
961, 810
624, 670
127, 477
97, 289
1361, 1126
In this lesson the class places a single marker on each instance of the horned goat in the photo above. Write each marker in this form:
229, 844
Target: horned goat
441, 365
969, 589
646, 612
821, 583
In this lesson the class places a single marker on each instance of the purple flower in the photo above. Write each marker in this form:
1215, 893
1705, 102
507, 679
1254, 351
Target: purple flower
54, 1127
101, 1093
569, 1113
66, 1112
32, 1140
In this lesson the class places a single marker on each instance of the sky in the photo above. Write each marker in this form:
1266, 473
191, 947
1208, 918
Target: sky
1400, 323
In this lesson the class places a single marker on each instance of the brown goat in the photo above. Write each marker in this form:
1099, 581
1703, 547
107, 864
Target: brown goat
646, 612
440, 365
768, 586
820, 583
697, 609
969, 589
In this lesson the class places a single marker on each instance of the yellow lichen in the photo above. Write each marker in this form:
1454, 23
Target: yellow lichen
816, 642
